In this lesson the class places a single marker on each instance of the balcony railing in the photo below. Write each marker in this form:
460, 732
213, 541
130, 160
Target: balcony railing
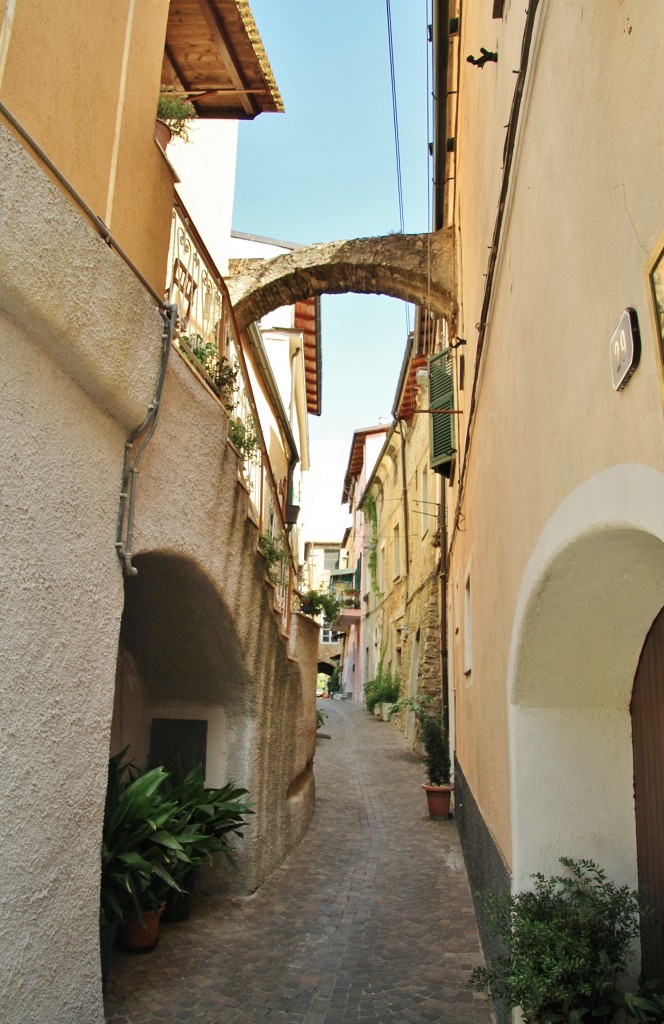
208, 338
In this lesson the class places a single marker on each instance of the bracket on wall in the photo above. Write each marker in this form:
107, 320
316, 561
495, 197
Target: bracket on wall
488, 56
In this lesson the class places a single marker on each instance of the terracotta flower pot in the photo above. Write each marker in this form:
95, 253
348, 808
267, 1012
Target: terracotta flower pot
438, 799
162, 133
141, 938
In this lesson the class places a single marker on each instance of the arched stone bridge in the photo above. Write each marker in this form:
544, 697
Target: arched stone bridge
416, 268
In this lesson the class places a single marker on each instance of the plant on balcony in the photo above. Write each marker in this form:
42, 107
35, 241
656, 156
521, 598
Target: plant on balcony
566, 945
317, 602
275, 555
176, 111
244, 437
225, 378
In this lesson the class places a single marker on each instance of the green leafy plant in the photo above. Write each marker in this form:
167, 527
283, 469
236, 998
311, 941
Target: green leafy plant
646, 1007
245, 438
321, 717
225, 379
369, 508
275, 555
566, 944
205, 816
334, 682
317, 602
432, 733
383, 689
139, 849
174, 108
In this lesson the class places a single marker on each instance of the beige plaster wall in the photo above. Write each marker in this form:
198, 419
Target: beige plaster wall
86, 88
75, 381
582, 218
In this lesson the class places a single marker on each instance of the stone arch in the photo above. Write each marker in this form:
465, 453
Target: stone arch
589, 594
417, 268
180, 659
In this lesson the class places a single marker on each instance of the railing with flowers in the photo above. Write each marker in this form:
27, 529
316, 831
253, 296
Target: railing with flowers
208, 338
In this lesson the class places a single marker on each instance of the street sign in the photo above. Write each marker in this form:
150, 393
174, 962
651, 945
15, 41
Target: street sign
625, 349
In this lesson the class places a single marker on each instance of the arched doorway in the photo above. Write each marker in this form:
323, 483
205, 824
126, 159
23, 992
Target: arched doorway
589, 594
647, 709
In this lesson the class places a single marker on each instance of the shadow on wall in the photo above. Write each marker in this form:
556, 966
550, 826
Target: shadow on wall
183, 692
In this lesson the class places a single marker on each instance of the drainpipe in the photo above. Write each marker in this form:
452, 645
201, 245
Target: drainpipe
442, 575
143, 434
441, 29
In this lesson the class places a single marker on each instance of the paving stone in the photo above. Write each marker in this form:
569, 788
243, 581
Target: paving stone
369, 921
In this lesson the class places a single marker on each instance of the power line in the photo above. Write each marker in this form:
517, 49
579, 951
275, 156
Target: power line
397, 147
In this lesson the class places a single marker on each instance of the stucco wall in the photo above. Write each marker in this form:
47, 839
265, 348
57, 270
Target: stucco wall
582, 219
97, 123
191, 509
75, 379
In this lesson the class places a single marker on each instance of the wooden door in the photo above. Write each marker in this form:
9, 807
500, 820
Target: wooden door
647, 710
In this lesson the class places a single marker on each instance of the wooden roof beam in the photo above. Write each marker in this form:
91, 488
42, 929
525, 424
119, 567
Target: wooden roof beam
226, 54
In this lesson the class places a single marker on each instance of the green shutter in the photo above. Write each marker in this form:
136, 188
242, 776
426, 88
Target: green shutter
441, 396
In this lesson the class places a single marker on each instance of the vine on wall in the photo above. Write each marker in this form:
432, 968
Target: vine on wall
371, 513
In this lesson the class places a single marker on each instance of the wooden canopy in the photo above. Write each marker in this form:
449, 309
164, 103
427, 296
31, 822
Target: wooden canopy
214, 53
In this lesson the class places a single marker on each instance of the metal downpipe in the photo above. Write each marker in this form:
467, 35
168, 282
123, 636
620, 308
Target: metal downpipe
143, 434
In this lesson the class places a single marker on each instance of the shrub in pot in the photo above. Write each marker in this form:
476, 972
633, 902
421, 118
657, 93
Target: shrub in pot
438, 787
566, 944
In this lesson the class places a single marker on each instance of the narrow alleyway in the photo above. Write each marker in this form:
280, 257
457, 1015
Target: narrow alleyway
369, 920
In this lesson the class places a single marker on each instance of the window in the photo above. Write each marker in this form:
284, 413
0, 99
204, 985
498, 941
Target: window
328, 635
380, 568
442, 428
330, 559
396, 552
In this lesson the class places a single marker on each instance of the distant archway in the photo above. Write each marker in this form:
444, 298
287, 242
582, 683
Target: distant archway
416, 268
589, 595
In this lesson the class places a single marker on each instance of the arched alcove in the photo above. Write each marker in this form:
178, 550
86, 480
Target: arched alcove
181, 682
589, 595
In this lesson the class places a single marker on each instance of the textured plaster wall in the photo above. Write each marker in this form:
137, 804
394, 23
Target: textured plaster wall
75, 378
582, 220
192, 509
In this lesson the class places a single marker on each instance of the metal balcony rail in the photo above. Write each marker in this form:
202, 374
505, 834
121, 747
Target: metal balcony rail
207, 335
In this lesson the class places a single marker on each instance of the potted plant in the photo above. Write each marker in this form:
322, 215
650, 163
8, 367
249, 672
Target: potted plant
174, 115
438, 787
317, 602
206, 817
138, 854
563, 948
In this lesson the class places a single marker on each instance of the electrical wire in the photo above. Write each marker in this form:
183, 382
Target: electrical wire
397, 146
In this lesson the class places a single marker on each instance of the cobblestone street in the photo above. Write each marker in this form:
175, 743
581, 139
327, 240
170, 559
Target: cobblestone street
369, 920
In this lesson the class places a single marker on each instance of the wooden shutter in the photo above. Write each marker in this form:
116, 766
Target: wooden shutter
442, 427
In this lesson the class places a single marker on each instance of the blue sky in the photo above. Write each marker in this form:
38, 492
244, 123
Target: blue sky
326, 169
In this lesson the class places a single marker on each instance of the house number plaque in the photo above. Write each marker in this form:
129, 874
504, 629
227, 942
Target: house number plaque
625, 349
